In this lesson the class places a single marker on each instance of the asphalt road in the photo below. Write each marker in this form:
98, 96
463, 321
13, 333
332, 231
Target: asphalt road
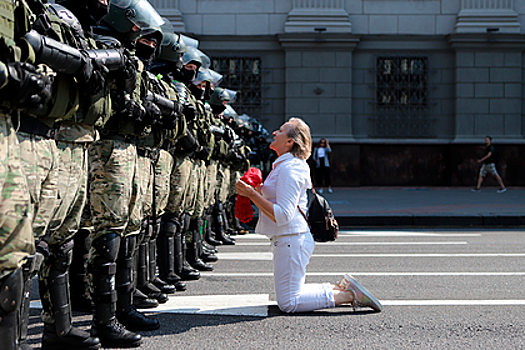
441, 289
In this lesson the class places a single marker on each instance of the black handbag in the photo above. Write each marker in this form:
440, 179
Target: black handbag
321, 219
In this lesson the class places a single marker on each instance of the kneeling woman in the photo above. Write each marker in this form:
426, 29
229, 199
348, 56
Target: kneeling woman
278, 199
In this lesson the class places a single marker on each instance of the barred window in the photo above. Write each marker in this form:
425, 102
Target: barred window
242, 74
401, 97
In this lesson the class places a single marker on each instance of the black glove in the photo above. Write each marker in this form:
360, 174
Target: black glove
26, 88
189, 112
229, 135
129, 74
96, 80
153, 114
133, 110
234, 156
170, 121
203, 153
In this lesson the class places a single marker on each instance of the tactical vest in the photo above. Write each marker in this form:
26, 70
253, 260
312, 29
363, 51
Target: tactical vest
93, 110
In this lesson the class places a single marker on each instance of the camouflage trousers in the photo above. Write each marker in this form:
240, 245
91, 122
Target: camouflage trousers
145, 176
16, 235
180, 178
163, 169
211, 183
40, 160
200, 188
115, 189
223, 182
72, 192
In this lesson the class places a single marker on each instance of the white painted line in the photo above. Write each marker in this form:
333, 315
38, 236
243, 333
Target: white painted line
268, 255
251, 236
451, 302
428, 255
339, 243
405, 233
439, 274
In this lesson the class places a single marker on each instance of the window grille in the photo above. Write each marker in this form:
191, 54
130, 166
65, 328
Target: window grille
242, 74
401, 106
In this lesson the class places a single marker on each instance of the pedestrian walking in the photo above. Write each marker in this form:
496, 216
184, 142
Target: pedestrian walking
322, 165
489, 166
280, 199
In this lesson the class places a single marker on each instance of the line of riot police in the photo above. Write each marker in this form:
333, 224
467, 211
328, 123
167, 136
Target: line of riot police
119, 154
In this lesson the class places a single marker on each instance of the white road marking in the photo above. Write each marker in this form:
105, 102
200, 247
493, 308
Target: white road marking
439, 274
257, 304
451, 302
339, 243
405, 233
268, 255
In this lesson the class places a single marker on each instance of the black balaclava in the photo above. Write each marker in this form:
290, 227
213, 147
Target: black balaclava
145, 52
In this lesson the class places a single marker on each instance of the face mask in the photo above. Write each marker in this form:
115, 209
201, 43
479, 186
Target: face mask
217, 109
187, 75
198, 93
145, 52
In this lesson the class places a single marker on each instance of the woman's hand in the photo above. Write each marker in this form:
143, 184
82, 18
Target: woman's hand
244, 189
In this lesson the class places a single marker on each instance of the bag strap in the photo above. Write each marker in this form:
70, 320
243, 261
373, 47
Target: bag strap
304, 216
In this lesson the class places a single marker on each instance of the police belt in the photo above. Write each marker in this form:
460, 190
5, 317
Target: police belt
33, 126
106, 135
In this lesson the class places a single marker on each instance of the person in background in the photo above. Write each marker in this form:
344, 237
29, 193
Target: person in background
489, 166
322, 165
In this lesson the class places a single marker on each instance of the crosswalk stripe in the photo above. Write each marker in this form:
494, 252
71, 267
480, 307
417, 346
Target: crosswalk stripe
269, 274
269, 256
338, 243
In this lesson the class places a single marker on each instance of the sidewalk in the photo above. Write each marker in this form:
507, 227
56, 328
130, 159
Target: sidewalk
427, 206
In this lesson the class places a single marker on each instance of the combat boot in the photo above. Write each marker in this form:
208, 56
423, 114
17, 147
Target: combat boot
126, 312
169, 229
105, 325
143, 283
209, 235
155, 280
192, 249
80, 295
54, 294
220, 233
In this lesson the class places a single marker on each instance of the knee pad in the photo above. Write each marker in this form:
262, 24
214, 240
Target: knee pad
62, 256
108, 247
11, 288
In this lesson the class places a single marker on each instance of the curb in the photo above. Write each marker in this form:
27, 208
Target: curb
430, 220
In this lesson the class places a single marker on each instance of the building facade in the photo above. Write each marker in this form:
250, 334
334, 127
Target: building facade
405, 90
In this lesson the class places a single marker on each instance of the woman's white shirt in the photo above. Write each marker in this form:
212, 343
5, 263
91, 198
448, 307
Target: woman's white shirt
286, 187
321, 152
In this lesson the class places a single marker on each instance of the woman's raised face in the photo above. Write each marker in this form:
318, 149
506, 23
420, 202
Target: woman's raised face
281, 142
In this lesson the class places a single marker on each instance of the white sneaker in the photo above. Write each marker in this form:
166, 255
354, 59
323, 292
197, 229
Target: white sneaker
330, 190
320, 190
501, 190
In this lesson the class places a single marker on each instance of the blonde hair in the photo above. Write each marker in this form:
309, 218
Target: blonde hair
300, 134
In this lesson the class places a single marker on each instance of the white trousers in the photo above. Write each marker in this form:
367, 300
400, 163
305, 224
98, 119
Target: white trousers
291, 254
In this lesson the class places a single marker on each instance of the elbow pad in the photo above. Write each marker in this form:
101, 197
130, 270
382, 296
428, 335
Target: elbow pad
188, 143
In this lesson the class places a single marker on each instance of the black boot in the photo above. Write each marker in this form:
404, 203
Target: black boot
126, 312
54, 282
166, 249
209, 235
105, 325
182, 268
162, 285
220, 233
192, 249
80, 296
74, 339
143, 283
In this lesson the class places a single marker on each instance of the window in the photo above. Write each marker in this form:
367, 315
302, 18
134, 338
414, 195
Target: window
242, 74
401, 97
